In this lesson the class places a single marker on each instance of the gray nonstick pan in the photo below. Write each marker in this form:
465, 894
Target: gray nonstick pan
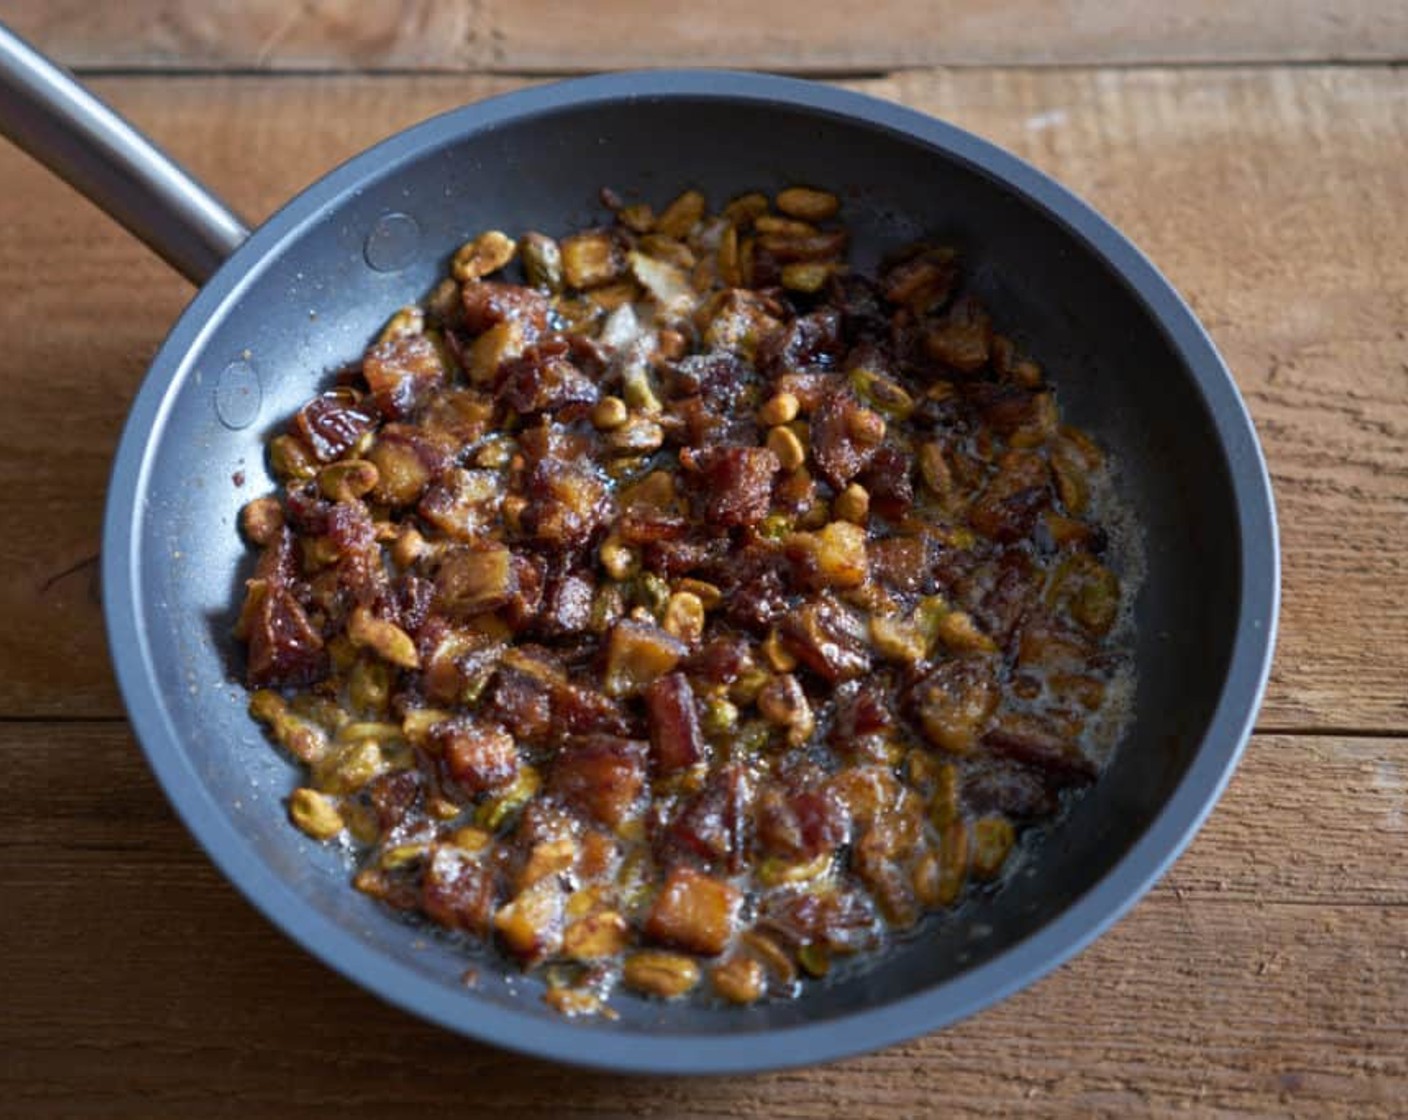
281, 308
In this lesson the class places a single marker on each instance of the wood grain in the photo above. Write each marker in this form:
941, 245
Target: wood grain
1265, 977
541, 36
1272, 198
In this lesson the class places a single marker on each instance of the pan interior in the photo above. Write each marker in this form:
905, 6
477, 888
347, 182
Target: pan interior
313, 303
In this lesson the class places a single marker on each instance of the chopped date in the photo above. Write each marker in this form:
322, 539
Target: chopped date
544, 383
801, 824
285, 650
736, 483
487, 303
567, 605
703, 608
841, 445
458, 892
809, 341
394, 796
567, 504
829, 638
333, 423
600, 776
694, 911
714, 825
478, 756
401, 372
676, 742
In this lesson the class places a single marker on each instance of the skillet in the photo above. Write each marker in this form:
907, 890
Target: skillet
280, 308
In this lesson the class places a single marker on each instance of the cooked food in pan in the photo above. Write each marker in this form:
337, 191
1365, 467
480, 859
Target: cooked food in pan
673, 605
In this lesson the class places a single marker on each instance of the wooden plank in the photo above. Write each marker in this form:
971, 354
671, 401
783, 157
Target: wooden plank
1269, 197
517, 36
1266, 976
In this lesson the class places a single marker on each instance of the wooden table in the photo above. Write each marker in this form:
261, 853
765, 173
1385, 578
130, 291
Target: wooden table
1258, 151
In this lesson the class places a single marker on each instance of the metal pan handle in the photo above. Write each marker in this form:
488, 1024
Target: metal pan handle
45, 111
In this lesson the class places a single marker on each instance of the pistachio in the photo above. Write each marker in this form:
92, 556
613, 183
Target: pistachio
348, 479
386, 639
655, 973
779, 409
783, 443
486, 254
542, 261
261, 520
682, 215
852, 504
609, 413
684, 616
315, 813
808, 204
738, 980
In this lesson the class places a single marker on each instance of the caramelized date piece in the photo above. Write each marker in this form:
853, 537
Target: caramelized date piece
401, 372
828, 638
331, 424
955, 702
524, 703
457, 892
489, 302
473, 580
839, 918
539, 382
1009, 506
842, 443
600, 776
924, 282
900, 563
676, 743
962, 339
808, 341
394, 795
284, 648
714, 824
694, 911
463, 503
736, 483
718, 378
1024, 739
567, 605
479, 756
636, 654
1014, 790
801, 824
889, 482
567, 504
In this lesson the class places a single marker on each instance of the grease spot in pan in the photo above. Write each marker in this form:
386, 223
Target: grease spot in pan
238, 395
392, 243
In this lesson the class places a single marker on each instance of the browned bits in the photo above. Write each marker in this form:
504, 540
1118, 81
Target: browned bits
697, 608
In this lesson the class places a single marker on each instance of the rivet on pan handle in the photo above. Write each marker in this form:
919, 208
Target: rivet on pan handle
45, 111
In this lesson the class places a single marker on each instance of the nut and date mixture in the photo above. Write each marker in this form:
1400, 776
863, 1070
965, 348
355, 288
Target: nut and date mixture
693, 614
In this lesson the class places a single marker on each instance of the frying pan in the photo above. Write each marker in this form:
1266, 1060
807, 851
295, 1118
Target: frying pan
280, 308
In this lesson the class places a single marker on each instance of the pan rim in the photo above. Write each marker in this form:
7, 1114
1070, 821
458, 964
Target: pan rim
1083, 920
